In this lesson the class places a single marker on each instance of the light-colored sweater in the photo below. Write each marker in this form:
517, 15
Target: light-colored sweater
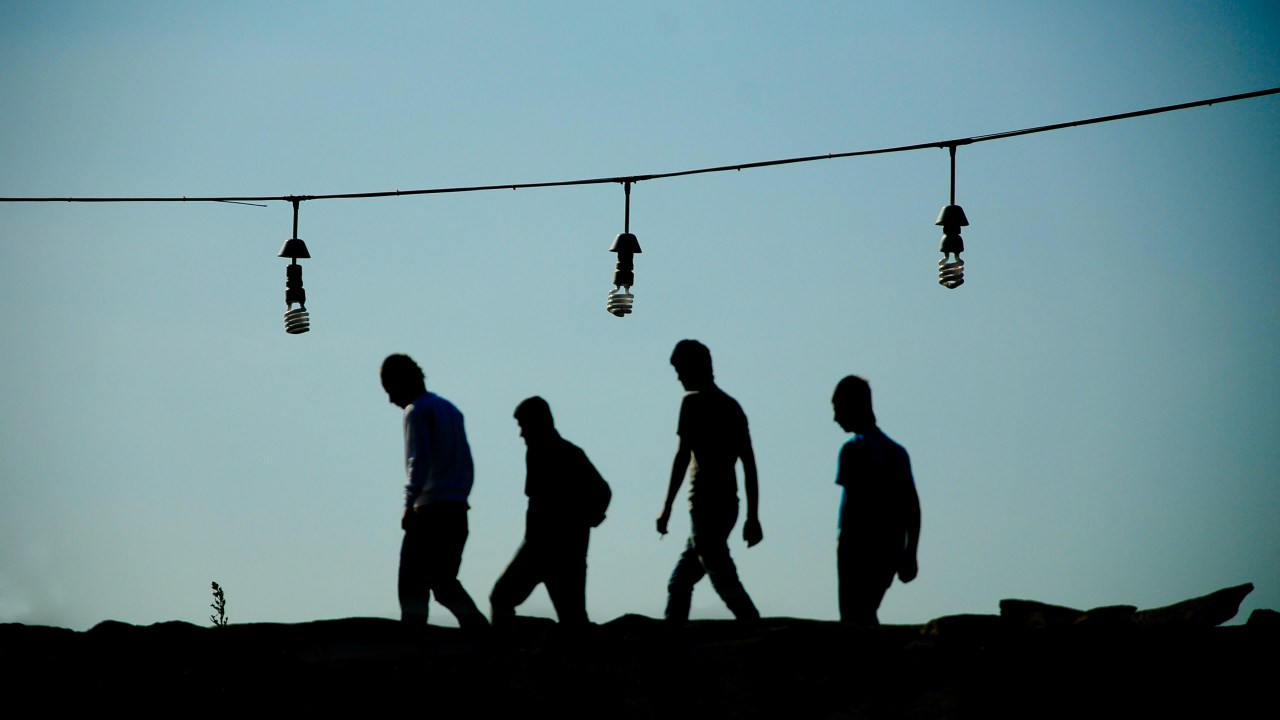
437, 458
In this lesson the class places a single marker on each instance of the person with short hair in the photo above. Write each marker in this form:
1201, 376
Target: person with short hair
440, 474
567, 497
713, 438
879, 509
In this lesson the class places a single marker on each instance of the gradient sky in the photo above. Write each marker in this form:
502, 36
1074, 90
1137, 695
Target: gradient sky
1093, 418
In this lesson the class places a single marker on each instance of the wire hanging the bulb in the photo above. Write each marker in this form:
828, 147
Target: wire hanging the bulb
626, 245
952, 218
296, 320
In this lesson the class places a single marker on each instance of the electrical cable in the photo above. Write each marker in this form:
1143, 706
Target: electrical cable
631, 179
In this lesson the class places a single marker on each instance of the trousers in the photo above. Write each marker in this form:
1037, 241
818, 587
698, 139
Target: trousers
560, 563
865, 571
707, 554
430, 556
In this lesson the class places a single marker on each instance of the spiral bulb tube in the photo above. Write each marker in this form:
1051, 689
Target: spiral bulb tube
296, 320
620, 301
951, 272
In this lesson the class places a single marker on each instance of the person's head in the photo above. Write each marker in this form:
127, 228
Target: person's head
852, 404
692, 361
534, 417
402, 379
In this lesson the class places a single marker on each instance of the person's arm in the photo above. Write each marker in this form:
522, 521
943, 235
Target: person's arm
751, 530
907, 572
679, 467
592, 490
417, 457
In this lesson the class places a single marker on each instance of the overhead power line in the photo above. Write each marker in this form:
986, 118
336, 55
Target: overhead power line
246, 199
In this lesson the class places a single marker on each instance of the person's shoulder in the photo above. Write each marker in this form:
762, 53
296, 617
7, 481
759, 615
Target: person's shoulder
576, 458
894, 444
567, 448
431, 405
419, 404
441, 403
693, 402
724, 399
853, 444
888, 447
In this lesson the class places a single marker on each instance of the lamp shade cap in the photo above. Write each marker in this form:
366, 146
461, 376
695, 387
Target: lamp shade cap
294, 248
952, 215
625, 243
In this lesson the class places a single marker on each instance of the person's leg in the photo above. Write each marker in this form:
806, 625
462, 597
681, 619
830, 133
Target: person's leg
517, 582
711, 543
862, 582
447, 529
567, 578
680, 587
413, 588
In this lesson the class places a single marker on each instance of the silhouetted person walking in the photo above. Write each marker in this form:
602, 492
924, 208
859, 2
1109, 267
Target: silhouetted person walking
437, 461
713, 437
567, 497
879, 509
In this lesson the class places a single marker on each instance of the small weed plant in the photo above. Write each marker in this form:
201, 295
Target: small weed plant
219, 616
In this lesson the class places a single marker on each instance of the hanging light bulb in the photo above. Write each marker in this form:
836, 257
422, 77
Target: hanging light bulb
951, 267
296, 320
626, 245
951, 270
620, 298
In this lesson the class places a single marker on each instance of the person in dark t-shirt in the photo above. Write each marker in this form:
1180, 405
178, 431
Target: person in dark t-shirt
567, 497
879, 508
713, 438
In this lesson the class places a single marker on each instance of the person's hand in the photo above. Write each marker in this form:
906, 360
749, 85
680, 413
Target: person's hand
752, 532
663, 519
404, 519
908, 571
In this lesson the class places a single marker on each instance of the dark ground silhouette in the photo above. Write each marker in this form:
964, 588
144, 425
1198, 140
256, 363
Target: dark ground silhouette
1032, 660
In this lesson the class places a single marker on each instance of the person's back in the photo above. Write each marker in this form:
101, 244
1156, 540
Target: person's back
875, 473
558, 479
715, 429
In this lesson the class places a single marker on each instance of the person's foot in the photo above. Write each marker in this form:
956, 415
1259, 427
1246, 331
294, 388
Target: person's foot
502, 619
475, 621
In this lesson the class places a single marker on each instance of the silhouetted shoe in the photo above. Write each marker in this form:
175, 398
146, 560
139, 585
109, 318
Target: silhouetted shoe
473, 622
743, 609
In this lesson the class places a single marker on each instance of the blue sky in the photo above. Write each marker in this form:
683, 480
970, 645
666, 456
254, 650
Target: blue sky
1092, 418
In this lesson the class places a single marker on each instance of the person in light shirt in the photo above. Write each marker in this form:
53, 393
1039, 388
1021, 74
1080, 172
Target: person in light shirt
437, 462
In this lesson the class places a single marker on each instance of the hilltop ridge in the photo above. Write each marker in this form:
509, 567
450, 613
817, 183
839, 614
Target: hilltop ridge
1031, 660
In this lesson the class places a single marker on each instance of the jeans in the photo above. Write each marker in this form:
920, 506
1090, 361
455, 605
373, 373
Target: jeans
707, 553
430, 556
559, 562
865, 571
